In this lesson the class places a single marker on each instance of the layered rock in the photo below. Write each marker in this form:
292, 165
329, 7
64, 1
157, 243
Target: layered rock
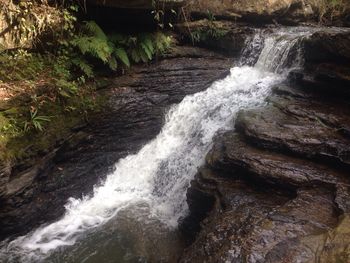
268, 11
35, 193
277, 188
280, 185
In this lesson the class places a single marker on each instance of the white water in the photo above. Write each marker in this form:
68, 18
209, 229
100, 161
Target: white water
160, 173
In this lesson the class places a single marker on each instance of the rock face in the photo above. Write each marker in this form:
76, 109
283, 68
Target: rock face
34, 195
266, 11
277, 188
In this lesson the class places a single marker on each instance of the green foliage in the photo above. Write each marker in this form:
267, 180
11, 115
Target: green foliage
115, 49
93, 41
209, 32
9, 126
20, 65
27, 19
60, 80
35, 121
144, 47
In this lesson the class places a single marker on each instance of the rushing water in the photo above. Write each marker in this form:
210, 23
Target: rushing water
147, 190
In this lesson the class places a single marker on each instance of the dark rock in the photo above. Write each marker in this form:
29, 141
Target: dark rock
263, 226
328, 46
232, 154
201, 200
36, 192
280, 183
305, 135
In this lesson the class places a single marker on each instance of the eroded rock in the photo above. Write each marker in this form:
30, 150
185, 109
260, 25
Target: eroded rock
279, 183
37, 192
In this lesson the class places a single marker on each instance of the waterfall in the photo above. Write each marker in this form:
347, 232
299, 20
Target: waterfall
158, 176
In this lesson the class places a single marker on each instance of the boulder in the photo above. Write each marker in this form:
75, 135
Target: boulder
328, 46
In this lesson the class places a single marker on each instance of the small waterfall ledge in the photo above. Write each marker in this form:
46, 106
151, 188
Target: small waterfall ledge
276, 187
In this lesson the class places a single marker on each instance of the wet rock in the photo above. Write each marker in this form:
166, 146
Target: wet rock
328, 46
201, 200
262, 226
332, 246
330, 79
305, 135
36, 193
240, 159
280, 182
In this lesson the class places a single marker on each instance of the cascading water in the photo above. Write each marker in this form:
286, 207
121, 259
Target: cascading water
153, 182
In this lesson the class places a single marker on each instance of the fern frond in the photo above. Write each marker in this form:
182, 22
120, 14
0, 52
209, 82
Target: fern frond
147, 51
135, 56
112, 63
95, 30
143, 55
121, 54
84, 66
96, 47
118, 39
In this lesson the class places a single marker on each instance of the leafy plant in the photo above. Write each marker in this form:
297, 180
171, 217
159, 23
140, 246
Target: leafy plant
36, 121
20, 65
144, 47
116, 49
211, 31
25, 20
327, 10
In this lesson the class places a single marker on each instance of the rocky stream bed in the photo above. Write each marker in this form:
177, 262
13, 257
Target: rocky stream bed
274, 189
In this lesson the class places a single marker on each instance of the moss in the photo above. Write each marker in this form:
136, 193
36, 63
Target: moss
18, 145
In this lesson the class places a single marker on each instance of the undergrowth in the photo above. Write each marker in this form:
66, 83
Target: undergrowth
210, 32
48, 90
328, 10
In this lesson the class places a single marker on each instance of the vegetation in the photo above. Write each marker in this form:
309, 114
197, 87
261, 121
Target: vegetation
211, 31
327, 10
23, 21
53, 87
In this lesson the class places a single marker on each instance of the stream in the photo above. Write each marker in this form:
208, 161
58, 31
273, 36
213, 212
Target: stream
133, 216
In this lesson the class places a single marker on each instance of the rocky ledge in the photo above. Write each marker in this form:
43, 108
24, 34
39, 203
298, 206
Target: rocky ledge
277, 188
137, 101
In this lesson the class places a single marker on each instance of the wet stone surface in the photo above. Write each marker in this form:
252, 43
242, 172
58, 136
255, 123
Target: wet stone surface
277, 188
279, 184
137, 104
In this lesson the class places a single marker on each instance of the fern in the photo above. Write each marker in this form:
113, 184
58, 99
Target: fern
121, 54
94, 30
84, 66
99, 48
116, 48
136, 57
